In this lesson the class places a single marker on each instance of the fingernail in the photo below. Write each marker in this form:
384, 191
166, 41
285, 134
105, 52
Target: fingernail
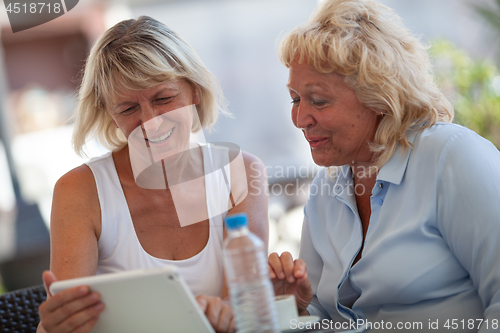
82, 290
99, 307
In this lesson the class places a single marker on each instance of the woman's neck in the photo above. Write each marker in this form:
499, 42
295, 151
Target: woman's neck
182, 167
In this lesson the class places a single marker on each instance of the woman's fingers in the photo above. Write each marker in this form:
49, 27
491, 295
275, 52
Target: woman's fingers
225, 317
48, 278
75, 313
281, 267
212, 311
288, 266
290, 277
299, 268
64, 297
82, 322
75, 308
275, 267
202, 302
218, 312
62, 321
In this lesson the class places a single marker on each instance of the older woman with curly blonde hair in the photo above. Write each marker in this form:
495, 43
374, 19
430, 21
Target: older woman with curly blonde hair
402, 225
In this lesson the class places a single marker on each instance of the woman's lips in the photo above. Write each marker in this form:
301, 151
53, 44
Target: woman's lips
316, 141
160, 138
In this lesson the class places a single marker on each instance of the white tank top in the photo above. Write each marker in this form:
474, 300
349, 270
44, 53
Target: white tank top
120, 249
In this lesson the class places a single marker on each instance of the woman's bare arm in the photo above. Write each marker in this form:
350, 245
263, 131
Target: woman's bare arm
75, 227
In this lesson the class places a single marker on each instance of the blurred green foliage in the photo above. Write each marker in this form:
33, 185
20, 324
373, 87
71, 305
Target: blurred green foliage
473, 87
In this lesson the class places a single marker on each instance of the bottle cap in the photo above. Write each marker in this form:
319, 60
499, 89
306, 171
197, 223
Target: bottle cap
237, 221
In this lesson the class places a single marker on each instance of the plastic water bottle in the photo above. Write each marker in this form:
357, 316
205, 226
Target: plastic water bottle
247, 275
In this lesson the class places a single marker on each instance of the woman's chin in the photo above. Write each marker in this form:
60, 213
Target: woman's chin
170, 157
321, 159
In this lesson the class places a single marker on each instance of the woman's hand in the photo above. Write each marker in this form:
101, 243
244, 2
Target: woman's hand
218, 312
290, 277
73, 310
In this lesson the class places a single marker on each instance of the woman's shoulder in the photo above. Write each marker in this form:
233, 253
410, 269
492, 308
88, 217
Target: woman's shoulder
82, 176
451, 143
105, 158
441, 134
81, 179
78, 176
251, 161
224, 151
443, 139
77, 184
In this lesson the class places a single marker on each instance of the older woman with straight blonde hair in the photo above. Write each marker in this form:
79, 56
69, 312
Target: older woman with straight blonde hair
144, 90
403, 224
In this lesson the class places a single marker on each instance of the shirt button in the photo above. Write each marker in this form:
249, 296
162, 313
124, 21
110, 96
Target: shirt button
380, 185
380, 202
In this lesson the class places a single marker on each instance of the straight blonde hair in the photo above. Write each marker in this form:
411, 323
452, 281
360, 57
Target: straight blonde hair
134, 55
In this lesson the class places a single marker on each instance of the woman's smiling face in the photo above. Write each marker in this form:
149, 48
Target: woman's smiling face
153, 110
336, 125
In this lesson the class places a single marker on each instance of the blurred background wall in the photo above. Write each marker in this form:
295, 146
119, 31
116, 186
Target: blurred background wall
237, 40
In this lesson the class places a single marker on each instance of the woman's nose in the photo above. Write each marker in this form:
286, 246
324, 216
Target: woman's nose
301, 117
153, 124
151, 120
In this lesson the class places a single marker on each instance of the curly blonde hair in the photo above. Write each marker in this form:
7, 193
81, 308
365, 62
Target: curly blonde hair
134, 55
387, 67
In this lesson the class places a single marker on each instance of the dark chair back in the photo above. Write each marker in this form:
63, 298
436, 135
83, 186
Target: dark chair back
19, 309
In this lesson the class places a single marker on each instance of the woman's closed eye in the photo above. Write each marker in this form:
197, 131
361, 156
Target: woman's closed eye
164, 100
129, 110
317, 102
314, 102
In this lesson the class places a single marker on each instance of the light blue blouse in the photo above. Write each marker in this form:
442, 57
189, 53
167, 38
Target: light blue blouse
432, 250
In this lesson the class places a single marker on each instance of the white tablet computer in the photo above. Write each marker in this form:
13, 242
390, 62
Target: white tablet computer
155, 300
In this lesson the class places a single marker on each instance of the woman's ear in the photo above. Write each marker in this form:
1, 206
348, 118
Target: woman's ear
196, 93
